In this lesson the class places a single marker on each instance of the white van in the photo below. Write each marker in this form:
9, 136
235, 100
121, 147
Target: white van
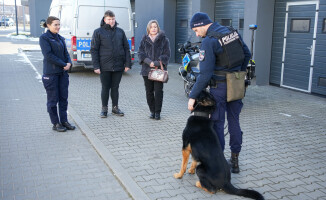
79, 19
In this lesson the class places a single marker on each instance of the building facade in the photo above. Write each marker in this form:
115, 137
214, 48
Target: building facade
289, 44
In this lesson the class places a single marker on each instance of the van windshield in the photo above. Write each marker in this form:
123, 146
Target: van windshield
89, 17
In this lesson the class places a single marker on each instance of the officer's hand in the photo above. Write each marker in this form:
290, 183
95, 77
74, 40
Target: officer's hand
191, 103
67, 67
152, 64
126, 69
97, 71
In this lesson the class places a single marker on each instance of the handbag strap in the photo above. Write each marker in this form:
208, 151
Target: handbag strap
161, 65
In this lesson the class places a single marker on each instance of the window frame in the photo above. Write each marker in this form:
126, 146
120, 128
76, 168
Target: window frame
230, 20
241, 28
291, 25
183, 23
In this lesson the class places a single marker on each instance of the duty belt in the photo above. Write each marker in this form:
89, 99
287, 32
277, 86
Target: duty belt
220, 73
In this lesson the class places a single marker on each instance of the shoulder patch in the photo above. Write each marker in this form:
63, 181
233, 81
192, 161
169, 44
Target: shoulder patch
201, 55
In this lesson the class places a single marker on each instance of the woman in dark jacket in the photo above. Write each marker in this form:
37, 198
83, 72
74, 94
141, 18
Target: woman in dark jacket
55, 77
154, 48
110, 57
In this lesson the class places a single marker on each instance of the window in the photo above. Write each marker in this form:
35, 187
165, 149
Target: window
226, 22
322, 81
324, 26
184, 23
300, 25
241, 23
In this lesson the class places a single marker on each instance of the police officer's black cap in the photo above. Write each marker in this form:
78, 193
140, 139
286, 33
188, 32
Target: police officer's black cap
199, 19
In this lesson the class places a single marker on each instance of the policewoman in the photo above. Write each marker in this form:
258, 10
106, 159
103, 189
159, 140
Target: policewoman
56, 62
214, 64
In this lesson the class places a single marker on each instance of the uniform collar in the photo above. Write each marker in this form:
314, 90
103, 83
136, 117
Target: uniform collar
52, 35
212, 27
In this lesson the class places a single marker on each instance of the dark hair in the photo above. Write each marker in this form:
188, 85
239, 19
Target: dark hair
49, 21
109, 13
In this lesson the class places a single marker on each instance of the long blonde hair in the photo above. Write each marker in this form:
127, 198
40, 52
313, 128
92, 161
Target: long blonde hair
149, 26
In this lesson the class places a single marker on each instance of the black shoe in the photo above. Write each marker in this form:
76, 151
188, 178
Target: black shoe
152, 115
58, 127
234, 163
68, 126
117, 111
157, 116
104, 112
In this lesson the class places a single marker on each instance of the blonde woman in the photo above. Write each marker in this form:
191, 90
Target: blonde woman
154, 47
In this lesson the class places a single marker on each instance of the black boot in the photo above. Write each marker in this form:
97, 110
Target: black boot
68, 126
104, 112
117, 111
58, 127
152, 115
234, 163
157, 116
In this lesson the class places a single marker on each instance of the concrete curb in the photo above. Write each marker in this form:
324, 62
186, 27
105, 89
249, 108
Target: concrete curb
122, 175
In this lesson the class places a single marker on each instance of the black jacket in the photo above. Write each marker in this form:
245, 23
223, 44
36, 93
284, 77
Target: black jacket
149, 51
55, 53
110, 48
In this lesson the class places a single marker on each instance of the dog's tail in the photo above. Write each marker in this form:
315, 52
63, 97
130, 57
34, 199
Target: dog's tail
230, 189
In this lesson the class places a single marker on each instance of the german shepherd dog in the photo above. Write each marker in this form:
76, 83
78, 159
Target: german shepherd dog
200, 140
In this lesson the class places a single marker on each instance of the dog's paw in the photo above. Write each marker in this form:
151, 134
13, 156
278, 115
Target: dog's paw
191, 171
198, 184
177, 175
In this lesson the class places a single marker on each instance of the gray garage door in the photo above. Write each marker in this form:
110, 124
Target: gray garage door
182, 29
298, 42
298, 51
230, 13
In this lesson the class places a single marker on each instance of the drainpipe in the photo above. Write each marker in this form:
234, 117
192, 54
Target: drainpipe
16, 18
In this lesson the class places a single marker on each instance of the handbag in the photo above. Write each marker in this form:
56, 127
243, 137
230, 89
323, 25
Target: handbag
158, 74
235, 85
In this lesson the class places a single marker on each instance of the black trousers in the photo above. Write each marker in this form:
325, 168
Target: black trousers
154, 94
56, 86
110, 81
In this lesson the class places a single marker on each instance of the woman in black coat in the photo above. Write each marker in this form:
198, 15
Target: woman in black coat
56, 63
154, 48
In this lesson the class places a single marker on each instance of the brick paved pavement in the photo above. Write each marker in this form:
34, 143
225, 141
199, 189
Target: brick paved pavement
36, 162
283, 153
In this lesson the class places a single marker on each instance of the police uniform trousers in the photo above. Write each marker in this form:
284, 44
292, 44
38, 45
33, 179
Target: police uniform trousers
56, 86
232, 110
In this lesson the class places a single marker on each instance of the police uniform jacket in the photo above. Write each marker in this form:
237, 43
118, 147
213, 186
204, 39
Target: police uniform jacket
55, 53
210, 48
110, 48
156, 51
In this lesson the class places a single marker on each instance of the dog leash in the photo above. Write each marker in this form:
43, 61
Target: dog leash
227, 131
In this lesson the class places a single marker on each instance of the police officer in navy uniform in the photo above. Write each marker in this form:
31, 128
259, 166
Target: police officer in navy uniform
55, 77
212, 72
